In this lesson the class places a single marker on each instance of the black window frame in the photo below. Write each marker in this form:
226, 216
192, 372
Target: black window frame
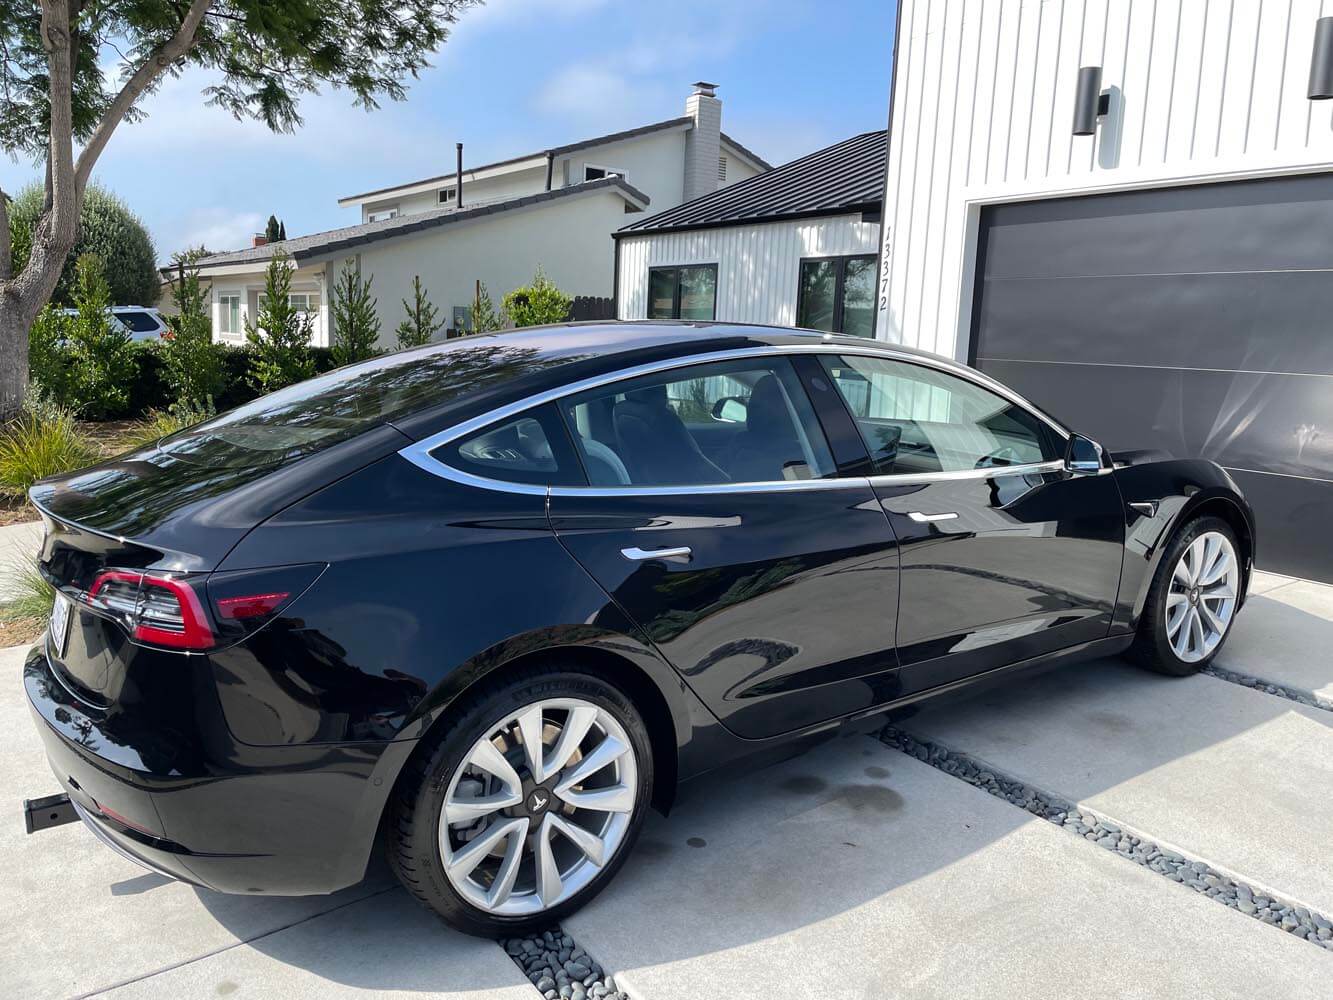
840, 279
675, 289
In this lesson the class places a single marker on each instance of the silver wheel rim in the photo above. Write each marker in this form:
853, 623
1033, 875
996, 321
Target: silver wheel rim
1202, 597
538, 807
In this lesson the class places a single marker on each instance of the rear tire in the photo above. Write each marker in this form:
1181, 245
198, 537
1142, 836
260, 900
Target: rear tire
1192, 602
473, 780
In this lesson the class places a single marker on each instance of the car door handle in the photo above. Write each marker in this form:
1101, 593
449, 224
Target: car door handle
921, 518
681, 554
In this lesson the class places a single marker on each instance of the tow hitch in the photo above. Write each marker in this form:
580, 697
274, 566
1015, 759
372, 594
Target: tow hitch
48, 811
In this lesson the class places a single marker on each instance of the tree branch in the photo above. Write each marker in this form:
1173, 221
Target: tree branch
149, 70
6, 242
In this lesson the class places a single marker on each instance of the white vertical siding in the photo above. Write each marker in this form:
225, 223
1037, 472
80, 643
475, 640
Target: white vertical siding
983, 106
758, 265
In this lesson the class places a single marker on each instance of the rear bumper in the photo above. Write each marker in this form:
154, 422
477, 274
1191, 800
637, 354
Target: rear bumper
206, 810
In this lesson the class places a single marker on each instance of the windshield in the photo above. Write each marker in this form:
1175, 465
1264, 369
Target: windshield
310, 416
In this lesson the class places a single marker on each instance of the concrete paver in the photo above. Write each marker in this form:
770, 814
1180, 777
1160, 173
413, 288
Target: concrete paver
1284, 635
385, 946
858, 871
1226, 774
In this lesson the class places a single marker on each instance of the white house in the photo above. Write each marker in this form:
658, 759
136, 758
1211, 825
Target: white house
1125, 210
795, 246
495, 223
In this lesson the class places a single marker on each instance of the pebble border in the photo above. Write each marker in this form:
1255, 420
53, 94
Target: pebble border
1197, 875
561, 969
1268, 687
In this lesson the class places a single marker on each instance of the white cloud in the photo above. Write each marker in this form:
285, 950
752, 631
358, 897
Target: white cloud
593, 95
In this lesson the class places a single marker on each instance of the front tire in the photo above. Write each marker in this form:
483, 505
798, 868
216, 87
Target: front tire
1193, 600
500, 840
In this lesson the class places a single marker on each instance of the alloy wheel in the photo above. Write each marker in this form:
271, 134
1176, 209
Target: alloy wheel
1201, 600
538, 807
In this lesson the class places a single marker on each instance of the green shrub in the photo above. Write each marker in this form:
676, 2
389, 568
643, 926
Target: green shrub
537, 303
101, 358
176, 417
107, 228
33, 596
356, 326
483, 317
280, 339
423, 318
42, 441
48, 355
192, 363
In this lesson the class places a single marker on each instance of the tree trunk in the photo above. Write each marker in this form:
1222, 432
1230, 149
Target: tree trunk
13, 358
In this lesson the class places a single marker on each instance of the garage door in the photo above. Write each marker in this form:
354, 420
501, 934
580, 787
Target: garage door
1196, 320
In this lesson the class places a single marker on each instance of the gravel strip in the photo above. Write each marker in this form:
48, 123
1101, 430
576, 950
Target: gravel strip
1313, 927
560, 968
1245, 680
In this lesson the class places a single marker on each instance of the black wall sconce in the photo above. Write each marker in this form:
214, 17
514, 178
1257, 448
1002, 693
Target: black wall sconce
1090, 101
1321, 63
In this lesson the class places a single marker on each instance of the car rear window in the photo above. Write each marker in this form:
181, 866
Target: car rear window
139, 322
321, 412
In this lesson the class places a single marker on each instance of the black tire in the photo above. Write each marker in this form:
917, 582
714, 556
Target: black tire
1152, 648
414, 808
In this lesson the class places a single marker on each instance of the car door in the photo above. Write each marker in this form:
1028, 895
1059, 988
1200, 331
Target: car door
716, 519
1005, 555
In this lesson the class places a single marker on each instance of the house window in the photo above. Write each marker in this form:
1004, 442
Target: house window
382, 215
229, 315
305, 302
722, 168
447, 196
687, 292
592, 173
837, 294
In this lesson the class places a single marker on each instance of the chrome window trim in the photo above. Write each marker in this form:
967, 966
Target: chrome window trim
989, 472
419, 452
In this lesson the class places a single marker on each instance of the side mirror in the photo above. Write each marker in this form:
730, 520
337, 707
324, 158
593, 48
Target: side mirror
731, 409
1084, 457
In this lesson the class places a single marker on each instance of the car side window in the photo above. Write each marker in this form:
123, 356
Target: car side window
745, 421
531, 448
915, 419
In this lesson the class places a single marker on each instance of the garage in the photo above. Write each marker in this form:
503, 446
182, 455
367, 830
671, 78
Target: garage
1195, 320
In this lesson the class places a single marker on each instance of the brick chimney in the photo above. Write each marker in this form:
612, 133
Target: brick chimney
703, 141
258, 240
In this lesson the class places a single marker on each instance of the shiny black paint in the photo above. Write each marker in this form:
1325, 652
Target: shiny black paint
758, 621
240, 762
1031, 564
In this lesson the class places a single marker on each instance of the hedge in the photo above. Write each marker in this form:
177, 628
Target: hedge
148, 390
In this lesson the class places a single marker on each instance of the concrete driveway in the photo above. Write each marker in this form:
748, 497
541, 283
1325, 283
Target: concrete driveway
850, 870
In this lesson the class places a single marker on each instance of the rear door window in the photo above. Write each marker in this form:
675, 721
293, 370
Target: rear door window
139, 322
746, 421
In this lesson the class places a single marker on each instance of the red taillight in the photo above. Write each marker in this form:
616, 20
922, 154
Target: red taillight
251, 606
157, 609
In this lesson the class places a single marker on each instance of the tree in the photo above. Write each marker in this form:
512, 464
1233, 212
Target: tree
422, 321
273, 231
483, 316
280, 339
192, 362
101, 364
107, 228
356, 325
539, 302
282, 231
262, 57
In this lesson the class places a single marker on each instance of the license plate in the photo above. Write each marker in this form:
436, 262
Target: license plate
60, 624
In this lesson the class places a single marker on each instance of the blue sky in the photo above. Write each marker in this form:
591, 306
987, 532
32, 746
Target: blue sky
515, 77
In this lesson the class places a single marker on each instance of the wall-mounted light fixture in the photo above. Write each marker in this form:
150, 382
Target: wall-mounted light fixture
1321, 63
1090, 101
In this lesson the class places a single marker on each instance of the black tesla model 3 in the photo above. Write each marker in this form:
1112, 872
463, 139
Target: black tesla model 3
494, 598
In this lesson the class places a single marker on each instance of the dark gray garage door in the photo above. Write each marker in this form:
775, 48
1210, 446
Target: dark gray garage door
1196, 320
